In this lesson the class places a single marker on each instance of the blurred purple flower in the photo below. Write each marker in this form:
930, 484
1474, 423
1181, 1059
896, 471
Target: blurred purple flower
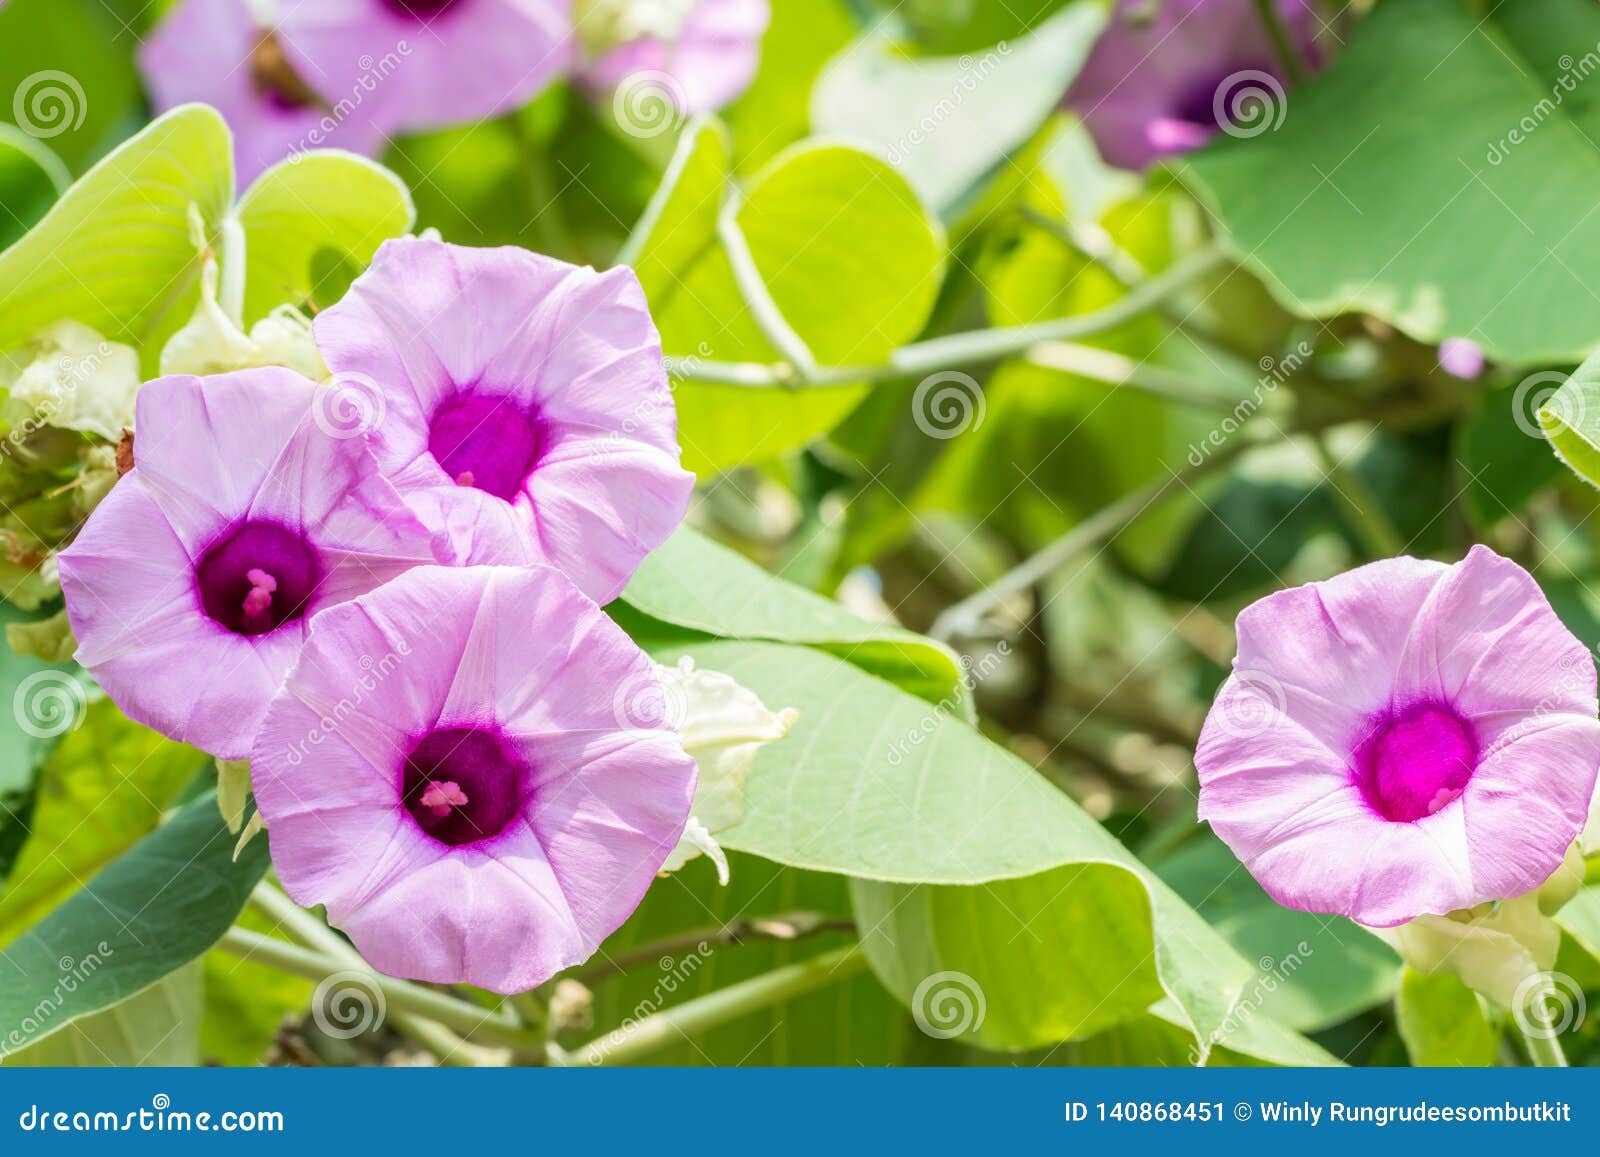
1461, 357
1406, 739
526, 407
350, 73
428, 63
214, 52
1159, 85
190, 588
697, 54
484, 809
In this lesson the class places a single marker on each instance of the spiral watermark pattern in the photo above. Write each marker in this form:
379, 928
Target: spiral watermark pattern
1253, 703
948, 1004
49, 703
1539, 394
649, 103
644, 701
49, 103
350, 405
1547, 1004
1248, 103
947, 404
347, 1004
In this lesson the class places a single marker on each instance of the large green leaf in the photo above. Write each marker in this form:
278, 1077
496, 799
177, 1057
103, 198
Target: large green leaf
158, 1027
1570, 419
853, 1022
680, 223
320, 207
695, 583
1442, 1022
114, 252
947, 122
1435, 175
31, 178
1068, 953
853, 262
1019, 963
1323, 969
105, 786
156, 908
874, 783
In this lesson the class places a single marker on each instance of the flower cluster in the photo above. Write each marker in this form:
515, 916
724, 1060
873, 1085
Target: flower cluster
1414, 746
396, 620
353, 73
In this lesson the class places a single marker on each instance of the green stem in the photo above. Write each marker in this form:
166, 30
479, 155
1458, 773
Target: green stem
1377, 533
1267, 10
400, 995
662, 1029
962, 618
784, 928
306, 928
1545, 1052
758, 298
546, 215
962, 349
1120, 370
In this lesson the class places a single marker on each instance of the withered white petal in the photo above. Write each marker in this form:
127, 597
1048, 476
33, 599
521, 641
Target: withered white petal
721, 725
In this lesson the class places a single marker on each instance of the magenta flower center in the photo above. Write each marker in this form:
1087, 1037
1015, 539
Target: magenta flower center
463, 784
486, 441
1224, 96
1417, 763
257, 578
419, 9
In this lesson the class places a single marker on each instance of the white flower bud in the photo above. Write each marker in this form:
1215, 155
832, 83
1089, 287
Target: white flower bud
721, 725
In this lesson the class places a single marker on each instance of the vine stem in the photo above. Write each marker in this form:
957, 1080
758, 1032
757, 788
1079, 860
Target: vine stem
1545, 1052
962, 349
661, 1029
1272, 22
401, 995
1377, 533
306, 928
963, 617
785, 928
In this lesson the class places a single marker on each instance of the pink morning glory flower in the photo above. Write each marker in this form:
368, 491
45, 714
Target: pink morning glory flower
449, 769
525, 405
190, 588
1164, 79
215, 52
1408, 738
1461, 357
700, 54
427, 63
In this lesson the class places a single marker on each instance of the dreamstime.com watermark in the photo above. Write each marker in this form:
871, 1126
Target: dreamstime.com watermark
49, 103
73, 973
71, 374
973, 72
676, 971
375, 671
948, 1004
159, 1117
374, 71
973, 672
1573, 73
1274, 372
1273, 974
